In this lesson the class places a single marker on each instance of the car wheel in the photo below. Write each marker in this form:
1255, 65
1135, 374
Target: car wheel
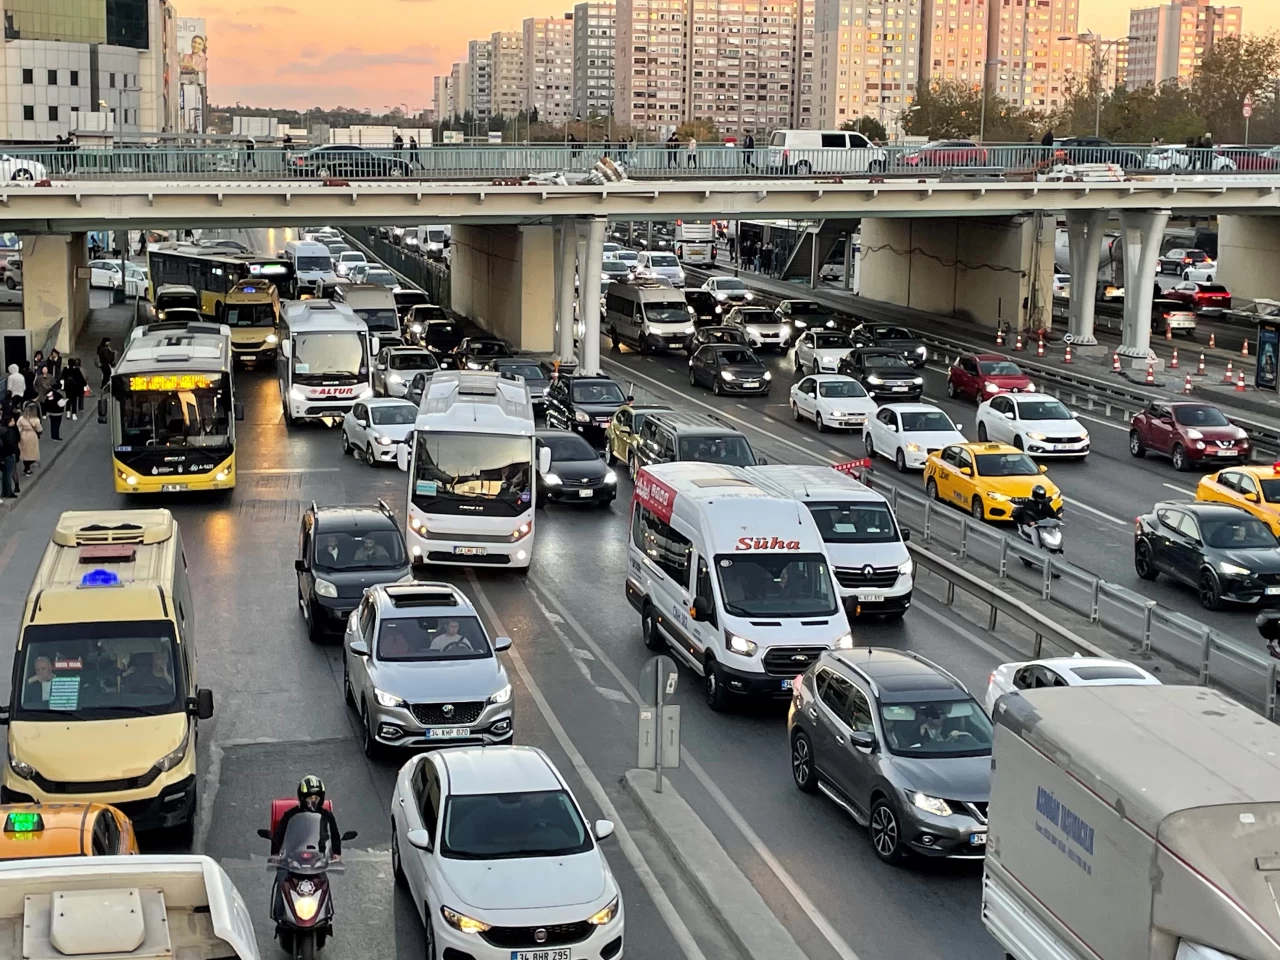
1210, 591
323, 173
713, 687
715, 386
1017, 442
982, 432
1180, 462
867, 444
649, 631
632, 467
975, 509
348, 693
1136, 449
951, 389
23, 174
900, 461
693, 380
886, 837
314, 632
11, 283
931, 489
804, 168
368, 742
429, 934
1143, 562
815, 370
369, 458
346, 444
609, 458
795, 412
817, 420
799, 365
802, 771
876, 166
397, 868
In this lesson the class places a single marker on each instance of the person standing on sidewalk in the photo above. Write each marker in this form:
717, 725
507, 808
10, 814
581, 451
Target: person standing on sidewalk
106, 360
673, 146
74, 386
52, 403
749, 152
9, 448
16, 384
29, 430
55, 363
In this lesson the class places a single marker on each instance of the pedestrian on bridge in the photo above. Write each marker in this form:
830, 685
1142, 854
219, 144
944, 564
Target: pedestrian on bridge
749, 151
397, 146
691, 151
413, 151
673, 146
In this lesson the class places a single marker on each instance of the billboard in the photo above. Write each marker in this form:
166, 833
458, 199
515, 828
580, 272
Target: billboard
193, 50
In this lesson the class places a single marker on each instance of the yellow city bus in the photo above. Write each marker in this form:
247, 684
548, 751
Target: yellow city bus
172, 410
215, 273
252, 313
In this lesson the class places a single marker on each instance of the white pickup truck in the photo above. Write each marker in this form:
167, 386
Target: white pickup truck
151, 907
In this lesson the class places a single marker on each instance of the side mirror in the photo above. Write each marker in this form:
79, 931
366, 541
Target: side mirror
1043, 468
863, 740
300, 566
1009, 415
501, 643
286, 348
264, 833
4, 716
359, 648
419, 838
380, 367
701, 609
761, 462
238, 410
402, 457
966, 471
362, 421
621, 429
544, 459
102, 409
603, 829
1251, 497
906, 534
373, 345
349, 835
630, 398
201, 705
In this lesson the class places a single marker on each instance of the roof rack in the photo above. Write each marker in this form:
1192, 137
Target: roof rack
425, 594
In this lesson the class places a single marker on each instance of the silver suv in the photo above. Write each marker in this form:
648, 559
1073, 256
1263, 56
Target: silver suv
421, 670
899, 744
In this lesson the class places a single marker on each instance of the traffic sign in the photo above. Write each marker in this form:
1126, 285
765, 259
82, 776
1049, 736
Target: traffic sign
1068, 338
1247, 110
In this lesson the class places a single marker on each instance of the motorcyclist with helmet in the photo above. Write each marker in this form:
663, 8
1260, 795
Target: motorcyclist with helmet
1036, 508
310, 800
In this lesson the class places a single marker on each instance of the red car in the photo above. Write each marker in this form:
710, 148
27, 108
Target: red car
981, 376
948, 153
1200, 296
1251, 158
1188, 434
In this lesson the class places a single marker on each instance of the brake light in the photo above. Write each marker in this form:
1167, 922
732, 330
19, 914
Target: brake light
991, 678
785, 154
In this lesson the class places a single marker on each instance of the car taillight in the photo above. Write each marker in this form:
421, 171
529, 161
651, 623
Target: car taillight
785, 154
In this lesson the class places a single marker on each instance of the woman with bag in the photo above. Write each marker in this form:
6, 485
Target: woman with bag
53, 402
75, 386
29, 430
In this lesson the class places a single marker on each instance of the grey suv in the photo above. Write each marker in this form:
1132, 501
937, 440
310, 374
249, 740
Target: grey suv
899, 744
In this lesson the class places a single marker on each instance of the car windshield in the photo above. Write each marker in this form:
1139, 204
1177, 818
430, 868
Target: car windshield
328, 354
807, 308
250, 315
736, 357
729, 283
663, 260
435, 236
1243, 533
884, 361
412, 361
95, 671
1043, 410
723, 335
731, 449
380, 320
1199, 415
1270, 490
467, 474
841, 389
893, 333
503, 826
666, 312
615, 267
530, 371
417, 639
942, 728
383, 277
776, 584
926, 421
598, 391
393, 414
337, 249
429, 312
363, 550
570, 446
832, 341
844, 522
999, 368
1005, 465
351, 256
488, 348
323, 264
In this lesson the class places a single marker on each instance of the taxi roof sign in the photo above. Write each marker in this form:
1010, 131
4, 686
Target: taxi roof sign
23, 821
100, 578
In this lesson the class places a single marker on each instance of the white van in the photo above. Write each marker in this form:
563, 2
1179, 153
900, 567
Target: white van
825, 151
433, 240
312, 264
733, 578
867, 547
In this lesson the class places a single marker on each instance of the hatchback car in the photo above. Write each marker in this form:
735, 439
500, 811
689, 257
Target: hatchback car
576, 474
909, 433
898, 744
727, 368
706, 309
806, 315
623, 432
1074, 671
460, 818
761, 327
948, 153
884, 374
421, 671
1201, 296
438, 332
474, 352
1179, 258
347, 260
987, 479
394, 367
706, 438
728, 290
820, 351
1175, 316
372, 429
534, 376
1227, 555
714, 334
977, 376
1188, 434
831, 401
1034, 422
30, 831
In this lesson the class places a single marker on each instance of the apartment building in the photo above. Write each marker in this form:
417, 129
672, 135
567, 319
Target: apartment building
1027, 63
802, 67
953, 42
1170, 40
506, 70
593, 56
479, 79
548, 67
440, 102
649, 60
867, 60
458, 76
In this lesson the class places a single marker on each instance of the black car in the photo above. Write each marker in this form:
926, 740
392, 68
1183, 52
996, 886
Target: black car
534, 377
474, 352
1223, 551
584, 404
806, 314
1097, 150
406, 300
729, 368
432, 328
891, 337
706, 309
349, 161
342, 550
719, 333
884, 374
577, 474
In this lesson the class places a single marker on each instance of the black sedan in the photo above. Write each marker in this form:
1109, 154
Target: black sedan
432, 328
534, 377
577, 474
806, 315
1228, 555
891, 337
884, 374
719, 333
349, 161
584, 404
705, 307
729, 368
474, 352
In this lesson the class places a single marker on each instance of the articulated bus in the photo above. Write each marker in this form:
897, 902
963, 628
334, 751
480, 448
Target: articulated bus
215, 273
172, 410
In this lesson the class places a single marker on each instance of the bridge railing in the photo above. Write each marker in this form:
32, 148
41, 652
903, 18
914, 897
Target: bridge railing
665, 161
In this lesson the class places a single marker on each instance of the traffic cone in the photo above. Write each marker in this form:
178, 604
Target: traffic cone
1115, 361
1066, 357
1173, 364
1244, 349
1200, 368
1017, 344
1186, 385
1240, 383
1213, 342
1151, 374
1168, 331
999, 336
1228, 376
1040, 346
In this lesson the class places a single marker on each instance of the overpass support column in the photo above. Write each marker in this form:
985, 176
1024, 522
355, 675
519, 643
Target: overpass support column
55, 301
566, 255
1141, 232
1084, 231
589, 296
1248, 253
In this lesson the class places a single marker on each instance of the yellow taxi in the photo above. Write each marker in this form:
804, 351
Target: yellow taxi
36, 830
1255, 488
987, 479
623, 431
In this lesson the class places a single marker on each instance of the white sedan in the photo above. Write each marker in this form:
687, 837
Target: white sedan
1074, 671
347, 260
907, 433
499, 859
820, 351
1177, 157
831, 400
1062, 285
1034, 422
372, 428
106, 273
19, 168
1200, 272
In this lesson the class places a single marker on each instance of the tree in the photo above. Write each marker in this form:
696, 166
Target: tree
1233, 68
869, 127
943, 110
702, 129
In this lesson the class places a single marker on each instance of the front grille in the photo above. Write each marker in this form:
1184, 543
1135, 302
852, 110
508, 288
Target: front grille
248, 345
975, 809
327, 409
96, 786
556, 935
434, 715
1018, 501
1271, 578
875, 577
492, 559
788, 661
1062, 439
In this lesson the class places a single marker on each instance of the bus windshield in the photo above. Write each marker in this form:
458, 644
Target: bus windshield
472, 474
328, 355
98, 671
250, 315
175, 418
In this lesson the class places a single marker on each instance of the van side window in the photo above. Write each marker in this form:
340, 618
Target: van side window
637, 526
702, 588
667, 548
834, 140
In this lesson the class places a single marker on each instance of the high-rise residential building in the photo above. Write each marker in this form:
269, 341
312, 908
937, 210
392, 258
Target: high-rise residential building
739, 69
867, 60
1027, 62
506, 71
440, 100
953, 40
1169, 41
649, 64
593, 36
548, 67
802, 67
479, 80
458, 90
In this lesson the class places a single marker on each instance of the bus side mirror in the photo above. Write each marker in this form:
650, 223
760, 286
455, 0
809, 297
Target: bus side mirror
402, 457
544, 459
238, 409
4, 715
102, 409
201, 705
701, 609
286, 348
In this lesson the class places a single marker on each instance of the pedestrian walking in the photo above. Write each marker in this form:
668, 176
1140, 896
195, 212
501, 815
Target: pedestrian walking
673, 146
10, 442
44, 379
749, 152
713, 254
691, 151
106, 360
75, 386
397, 146
250, 161
52, 404
575, 147
732, 244
29, 430
413, 151
766, 258
1047, 139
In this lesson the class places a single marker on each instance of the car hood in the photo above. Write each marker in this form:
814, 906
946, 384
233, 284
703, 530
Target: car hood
351, 583
1056, 428
1006, 381
751, 371
860, 554
456, 680
766, 321
951, 778
928, 439
831, 353
894, 375
595, 410
88, 751
1214, 433
904, 345
593, 469
1264, 560
535, 883
1020, 486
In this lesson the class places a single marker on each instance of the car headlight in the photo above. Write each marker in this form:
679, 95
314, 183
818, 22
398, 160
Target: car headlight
386, 699
610, 477
606, 915
844, 642
472, 365
726, 375
754, 331
326, 589
1035, 436
502, 696
801, 325
739, 645
922, 351
991, 388
1031, 387
20, 769
750, 295
1194, 435
992, 495
1084, 434
394, 378
552, 479
461, 922
416, 328
874, 379
768, 375
786, 329
384, 441
173, 758
721, 296
690, 329
935, 805
581, 417
272, 338
906, 567
913, 448
918, 380
128, 478
1234, 569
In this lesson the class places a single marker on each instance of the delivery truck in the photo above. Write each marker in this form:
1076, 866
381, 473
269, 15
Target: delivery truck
1133, 823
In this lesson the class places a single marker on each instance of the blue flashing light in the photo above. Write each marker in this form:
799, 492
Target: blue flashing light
100, 578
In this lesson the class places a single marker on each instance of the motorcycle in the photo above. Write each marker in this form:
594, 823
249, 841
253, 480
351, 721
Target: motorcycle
301, 904
1045, 536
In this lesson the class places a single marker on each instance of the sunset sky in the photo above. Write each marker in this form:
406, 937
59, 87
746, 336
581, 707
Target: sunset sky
383, 53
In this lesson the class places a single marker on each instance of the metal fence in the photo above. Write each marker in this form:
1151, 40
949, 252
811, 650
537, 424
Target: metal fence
432, 278
663, 161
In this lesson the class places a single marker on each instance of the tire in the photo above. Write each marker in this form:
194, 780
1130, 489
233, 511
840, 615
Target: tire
1179, 457
397, 868
11, 283
23, 174
804, 168
348, 693
304, 945
713, 687
982, 432
815, 370
715, 386
1136, 449
1017, 442
799, 365
323, 173
314, 633
975, 509
346, 444
609, 458
368, 742
1143, 563
632, 467
931, 489
900, 461
795, 412
649, 631
693, 380
802, 771
951, 388
885, 833
429, 934
867, 444
369, 458
1210, 590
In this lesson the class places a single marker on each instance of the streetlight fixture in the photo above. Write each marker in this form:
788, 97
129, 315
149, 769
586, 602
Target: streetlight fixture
1099, 48
982, 114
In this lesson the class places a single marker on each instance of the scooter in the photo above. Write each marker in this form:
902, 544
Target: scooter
301, 904
1045, 536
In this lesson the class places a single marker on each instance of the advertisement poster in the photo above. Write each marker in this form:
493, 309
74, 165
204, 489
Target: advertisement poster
193, 50
1268, 343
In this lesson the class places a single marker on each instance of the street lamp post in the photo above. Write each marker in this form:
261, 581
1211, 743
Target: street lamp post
1099, 47
982, 113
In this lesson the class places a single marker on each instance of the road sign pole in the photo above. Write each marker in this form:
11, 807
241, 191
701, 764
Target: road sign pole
658, 681
1247, 110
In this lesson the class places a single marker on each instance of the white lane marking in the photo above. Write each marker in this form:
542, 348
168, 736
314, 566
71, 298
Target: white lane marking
742, 405
808, 440
838, 453
290, 470
838, 943
688, 946
977, 641
1076, 504
1173, 486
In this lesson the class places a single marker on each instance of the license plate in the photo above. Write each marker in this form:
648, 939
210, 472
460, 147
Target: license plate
470, 551
172, 487
977, 839
1273, 591
447, 733
899, 389
786, 684
585, 493
868, 597
751, 383
1228, 453
561, 953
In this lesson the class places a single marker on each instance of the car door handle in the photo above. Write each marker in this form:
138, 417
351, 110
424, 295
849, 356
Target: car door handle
839, 738
813, 713
402, 801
